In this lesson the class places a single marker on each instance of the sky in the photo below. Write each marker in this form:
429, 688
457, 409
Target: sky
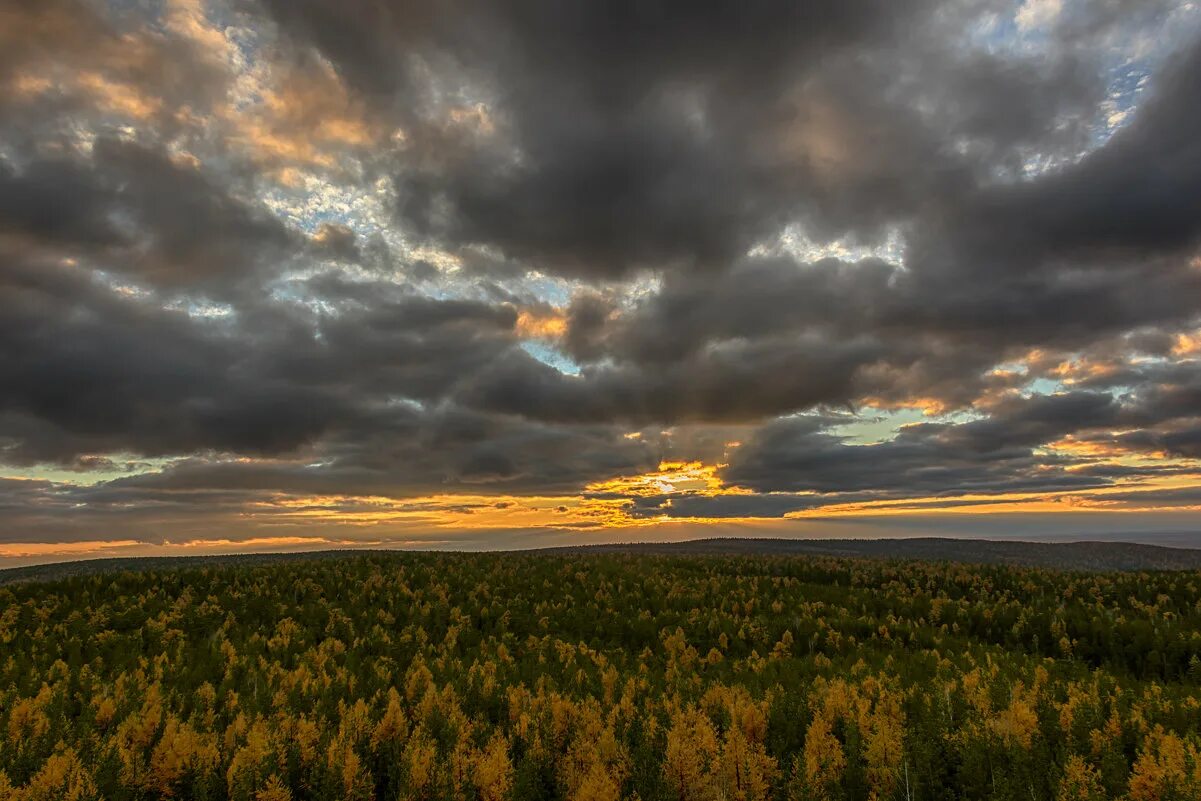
291, 274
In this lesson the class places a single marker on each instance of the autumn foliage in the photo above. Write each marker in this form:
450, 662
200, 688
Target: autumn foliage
601, 677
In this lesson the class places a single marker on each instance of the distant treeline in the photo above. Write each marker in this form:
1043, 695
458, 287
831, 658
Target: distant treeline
1083, 555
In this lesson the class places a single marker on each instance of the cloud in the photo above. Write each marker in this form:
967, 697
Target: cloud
639, 140
991, 455
136, 212
266, 256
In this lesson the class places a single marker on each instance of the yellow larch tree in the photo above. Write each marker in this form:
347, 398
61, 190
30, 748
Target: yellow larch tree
598, 785
63, 777
419, 761
179, 751
1167, 769
493, 773
1080, 782
274, 790
824, 760
692, 747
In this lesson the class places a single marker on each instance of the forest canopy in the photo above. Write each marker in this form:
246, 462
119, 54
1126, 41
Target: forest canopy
602, 676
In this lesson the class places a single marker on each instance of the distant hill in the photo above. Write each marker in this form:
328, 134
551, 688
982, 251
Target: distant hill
1085, 555
90, 567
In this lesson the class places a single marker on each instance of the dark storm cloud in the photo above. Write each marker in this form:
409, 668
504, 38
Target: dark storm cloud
621, 115
57, 201
93, 371
990, 455
636, 136
1094, 249
791, 335
736, 382
1136, 197
408, 451
173, 284
1141, 499
993, 455
133, 211
997, 453
395, 453
88, 370
1017, 421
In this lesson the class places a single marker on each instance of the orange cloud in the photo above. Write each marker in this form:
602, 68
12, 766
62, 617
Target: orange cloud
1187, 344
927, 406
1103, 449
301, 116
118, 98
541, 325
1076, 370
22, 550
671, 477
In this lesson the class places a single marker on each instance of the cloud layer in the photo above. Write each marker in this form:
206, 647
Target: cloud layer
404, 269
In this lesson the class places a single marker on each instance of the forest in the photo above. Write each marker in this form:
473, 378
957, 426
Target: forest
597, 677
